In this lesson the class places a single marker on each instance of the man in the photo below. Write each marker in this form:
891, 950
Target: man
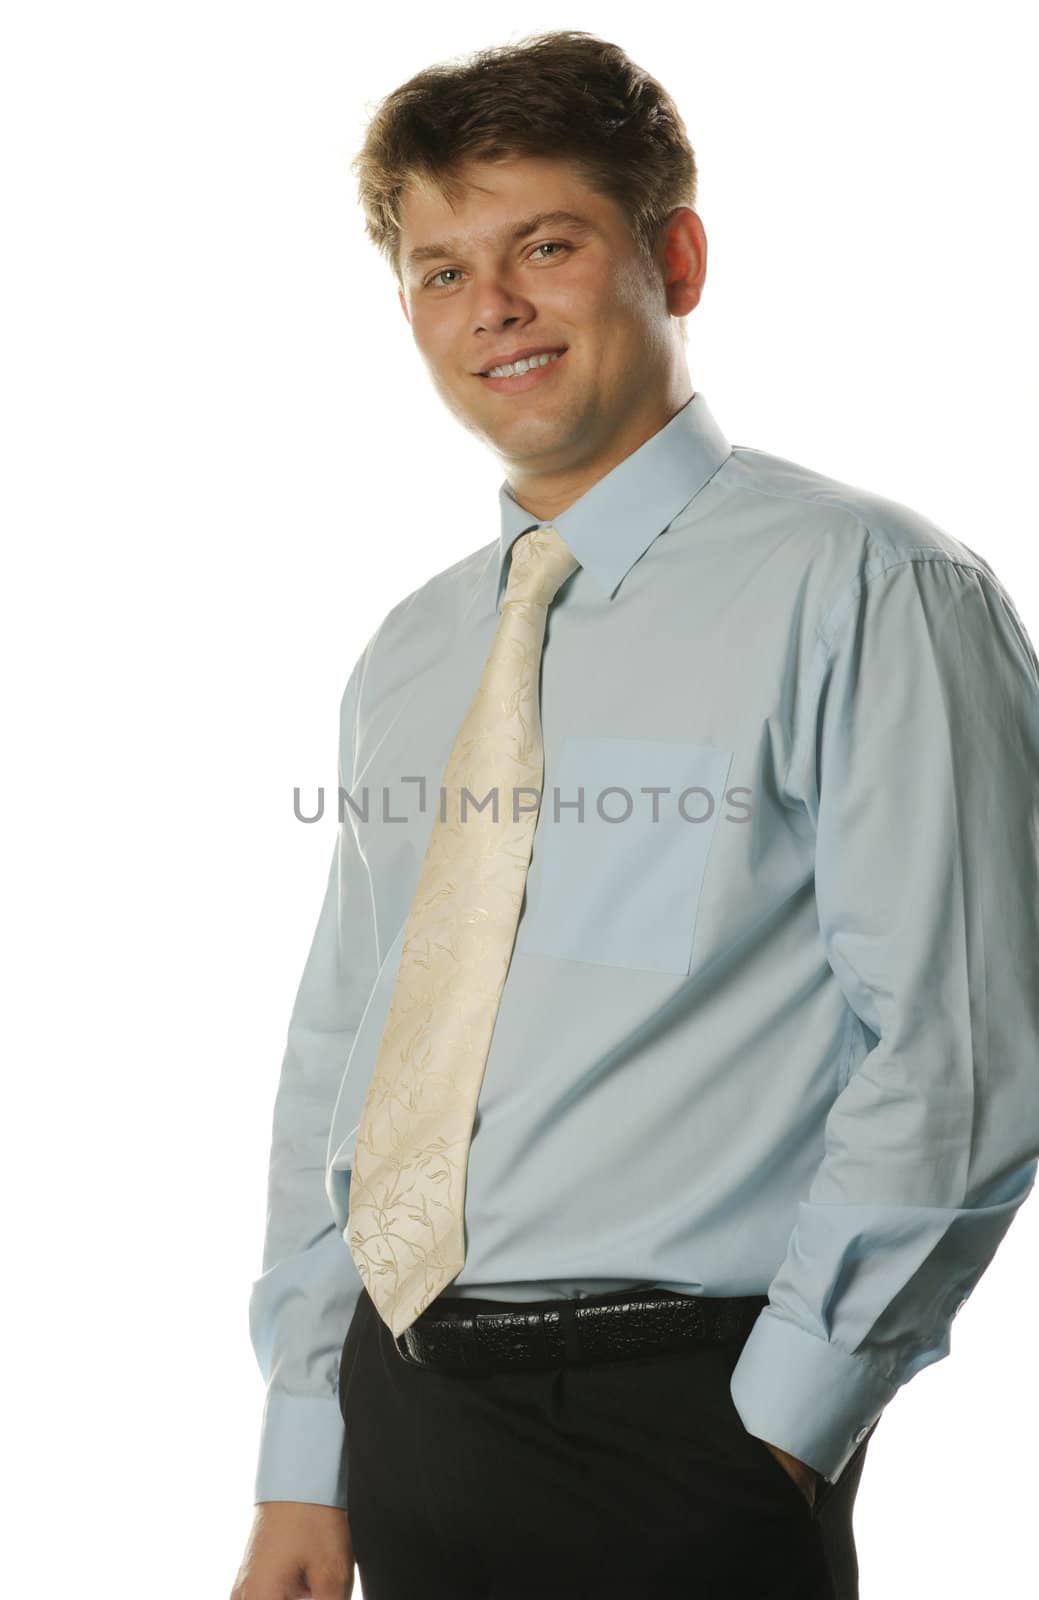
669, 1117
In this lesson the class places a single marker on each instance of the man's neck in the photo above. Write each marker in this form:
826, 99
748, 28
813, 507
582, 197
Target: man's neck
546, 494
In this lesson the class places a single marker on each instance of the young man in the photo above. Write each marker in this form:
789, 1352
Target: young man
642, 1132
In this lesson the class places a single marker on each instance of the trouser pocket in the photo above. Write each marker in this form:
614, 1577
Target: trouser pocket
782, 1477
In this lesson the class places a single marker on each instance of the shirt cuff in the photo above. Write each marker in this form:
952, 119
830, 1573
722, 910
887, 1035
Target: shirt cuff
810, 1398
302, 1450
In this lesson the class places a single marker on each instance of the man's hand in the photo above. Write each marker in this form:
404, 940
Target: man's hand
296, 1552
803, 1475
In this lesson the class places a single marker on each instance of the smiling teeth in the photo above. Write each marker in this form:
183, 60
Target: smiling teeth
516, 367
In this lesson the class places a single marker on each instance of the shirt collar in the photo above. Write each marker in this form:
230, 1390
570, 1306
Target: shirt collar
616, 520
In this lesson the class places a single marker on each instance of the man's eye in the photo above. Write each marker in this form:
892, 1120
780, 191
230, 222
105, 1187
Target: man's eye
549, 244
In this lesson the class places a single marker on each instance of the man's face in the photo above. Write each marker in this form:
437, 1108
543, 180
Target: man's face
578, 287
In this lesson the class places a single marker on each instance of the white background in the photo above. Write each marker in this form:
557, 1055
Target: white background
224, 462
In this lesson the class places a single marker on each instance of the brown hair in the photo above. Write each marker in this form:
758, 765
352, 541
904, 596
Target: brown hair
565, 94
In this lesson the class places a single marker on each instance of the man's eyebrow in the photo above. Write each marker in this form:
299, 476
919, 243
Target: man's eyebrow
520, 230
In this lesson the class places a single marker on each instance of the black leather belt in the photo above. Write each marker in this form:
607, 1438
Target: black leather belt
459, 1338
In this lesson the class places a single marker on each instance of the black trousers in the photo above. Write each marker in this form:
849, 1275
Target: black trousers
631, 1479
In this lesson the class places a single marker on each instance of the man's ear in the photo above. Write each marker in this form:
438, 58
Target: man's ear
403, 304
682, 249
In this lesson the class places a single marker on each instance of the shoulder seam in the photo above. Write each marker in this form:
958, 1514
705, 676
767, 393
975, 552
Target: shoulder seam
833, 499
826, 631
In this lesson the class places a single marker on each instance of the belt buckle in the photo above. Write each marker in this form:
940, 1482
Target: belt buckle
543, 1339
532, 1336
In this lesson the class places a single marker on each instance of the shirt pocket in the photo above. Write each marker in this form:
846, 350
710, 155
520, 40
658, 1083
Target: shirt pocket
617, 881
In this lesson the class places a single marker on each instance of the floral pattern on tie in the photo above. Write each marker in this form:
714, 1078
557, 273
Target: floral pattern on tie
405, 1227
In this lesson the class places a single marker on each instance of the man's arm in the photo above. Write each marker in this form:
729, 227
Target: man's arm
920, 768
300, 1308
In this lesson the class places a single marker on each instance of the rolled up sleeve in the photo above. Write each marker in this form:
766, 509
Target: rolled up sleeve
300, 1307
920, 768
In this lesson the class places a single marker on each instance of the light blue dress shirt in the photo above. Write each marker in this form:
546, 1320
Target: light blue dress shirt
771, 1024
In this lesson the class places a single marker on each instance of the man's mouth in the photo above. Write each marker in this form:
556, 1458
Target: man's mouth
519, 376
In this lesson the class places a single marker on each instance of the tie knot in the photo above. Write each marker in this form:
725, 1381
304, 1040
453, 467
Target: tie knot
541, 564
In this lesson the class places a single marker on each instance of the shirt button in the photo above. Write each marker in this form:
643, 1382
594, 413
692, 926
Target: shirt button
861, 1435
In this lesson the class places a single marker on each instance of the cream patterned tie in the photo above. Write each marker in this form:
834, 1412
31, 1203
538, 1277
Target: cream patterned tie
405, 1226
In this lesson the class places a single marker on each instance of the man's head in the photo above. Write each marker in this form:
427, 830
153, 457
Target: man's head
458, 165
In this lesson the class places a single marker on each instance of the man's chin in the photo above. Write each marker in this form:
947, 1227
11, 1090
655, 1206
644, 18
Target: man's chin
524, 433
544, 448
